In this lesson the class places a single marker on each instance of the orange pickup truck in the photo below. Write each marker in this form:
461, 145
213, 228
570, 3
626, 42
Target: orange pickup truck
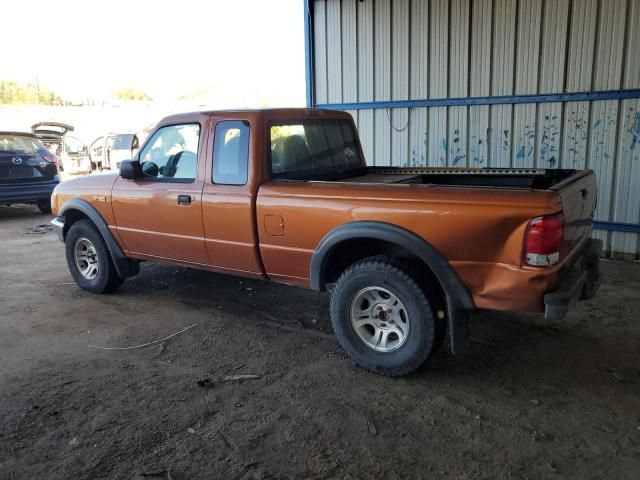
286, 195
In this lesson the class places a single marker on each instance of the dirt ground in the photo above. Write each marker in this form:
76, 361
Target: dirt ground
531, 400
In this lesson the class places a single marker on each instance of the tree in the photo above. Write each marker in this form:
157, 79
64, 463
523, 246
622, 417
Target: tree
13, 92
132, 94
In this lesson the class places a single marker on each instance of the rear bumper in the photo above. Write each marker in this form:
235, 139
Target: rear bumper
27, 192
579, 282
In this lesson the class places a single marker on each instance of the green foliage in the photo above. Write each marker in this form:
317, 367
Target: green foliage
132, 94
16, 93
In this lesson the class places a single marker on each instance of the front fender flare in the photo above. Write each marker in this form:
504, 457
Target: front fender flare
124, 265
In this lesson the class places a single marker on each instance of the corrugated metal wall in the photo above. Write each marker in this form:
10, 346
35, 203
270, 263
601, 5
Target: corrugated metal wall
380, 50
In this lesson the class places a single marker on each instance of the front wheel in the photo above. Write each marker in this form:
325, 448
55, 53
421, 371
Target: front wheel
89, 259
382, 318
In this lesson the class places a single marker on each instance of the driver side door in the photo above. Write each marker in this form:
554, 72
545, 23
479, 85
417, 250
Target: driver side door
160, 214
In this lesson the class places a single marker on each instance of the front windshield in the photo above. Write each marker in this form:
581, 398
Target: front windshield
11, 142
315, 150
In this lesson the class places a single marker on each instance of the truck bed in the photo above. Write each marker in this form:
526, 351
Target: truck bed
473, 177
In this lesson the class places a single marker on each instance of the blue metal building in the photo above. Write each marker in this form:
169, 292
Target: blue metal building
490, 83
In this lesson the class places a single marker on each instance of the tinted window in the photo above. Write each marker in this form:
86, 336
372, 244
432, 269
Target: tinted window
231, 152
316, 149
172, 153
19, 143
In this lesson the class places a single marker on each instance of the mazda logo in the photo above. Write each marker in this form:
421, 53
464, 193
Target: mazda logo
16, 160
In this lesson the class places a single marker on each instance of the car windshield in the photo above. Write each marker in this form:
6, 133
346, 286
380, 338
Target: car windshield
315, 150
123, 142
12, 142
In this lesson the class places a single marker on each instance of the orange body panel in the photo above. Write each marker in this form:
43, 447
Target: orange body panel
271, 228
479, 230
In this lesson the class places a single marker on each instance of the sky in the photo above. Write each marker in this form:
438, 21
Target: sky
238, 53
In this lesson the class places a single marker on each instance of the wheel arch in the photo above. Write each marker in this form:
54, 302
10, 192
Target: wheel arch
372, 234
76, 209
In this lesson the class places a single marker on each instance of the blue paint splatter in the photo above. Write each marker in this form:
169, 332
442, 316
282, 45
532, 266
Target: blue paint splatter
457, 158
635, 132
443, 144
520, 153
595, 125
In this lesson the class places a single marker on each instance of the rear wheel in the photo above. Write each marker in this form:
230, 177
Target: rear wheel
383, 319
44, 206
89, 259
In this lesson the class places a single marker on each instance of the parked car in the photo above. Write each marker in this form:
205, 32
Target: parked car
28, 172
109, 150
99, 151
286, 195
72, 153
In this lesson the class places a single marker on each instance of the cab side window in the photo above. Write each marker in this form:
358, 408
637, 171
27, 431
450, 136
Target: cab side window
231, 152
172, 153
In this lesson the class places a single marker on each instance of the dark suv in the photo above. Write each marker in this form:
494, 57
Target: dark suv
28, 170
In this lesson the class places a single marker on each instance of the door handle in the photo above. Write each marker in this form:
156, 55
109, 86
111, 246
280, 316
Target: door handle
184, 199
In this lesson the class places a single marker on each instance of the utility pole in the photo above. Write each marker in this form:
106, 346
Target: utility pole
38, 88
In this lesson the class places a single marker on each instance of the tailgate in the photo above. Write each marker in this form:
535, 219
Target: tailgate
17, 167
578, 195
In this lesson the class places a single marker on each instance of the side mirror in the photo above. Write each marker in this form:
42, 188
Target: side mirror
130, 169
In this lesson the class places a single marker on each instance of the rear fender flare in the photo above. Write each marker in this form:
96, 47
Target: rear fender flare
459, 301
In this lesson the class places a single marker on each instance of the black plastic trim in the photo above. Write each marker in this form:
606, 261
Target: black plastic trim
125, 266
27, 192
559, 302
459, 301
580, 282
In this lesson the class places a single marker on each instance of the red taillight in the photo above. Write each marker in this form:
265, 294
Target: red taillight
543, 240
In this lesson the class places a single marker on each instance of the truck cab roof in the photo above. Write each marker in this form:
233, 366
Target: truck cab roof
257, 114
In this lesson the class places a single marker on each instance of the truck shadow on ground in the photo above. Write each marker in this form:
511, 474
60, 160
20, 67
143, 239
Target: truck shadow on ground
513, 348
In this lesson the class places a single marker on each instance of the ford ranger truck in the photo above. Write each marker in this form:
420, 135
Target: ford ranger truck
286, 195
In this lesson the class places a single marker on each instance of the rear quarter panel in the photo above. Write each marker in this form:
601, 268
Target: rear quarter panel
479, 230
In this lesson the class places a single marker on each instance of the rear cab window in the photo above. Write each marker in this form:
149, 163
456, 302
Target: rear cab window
171, 154
314, 150
231, 152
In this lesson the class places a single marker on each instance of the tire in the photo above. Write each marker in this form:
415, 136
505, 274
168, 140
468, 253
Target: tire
44, 206
367, 292
89, 259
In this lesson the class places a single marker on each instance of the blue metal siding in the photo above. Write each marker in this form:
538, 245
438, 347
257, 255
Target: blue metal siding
493, 83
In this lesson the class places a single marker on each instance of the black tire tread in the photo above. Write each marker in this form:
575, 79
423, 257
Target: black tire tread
389, 266
114, 280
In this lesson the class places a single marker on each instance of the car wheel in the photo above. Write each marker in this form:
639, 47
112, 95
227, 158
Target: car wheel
44, 206
382, 318
89, 259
